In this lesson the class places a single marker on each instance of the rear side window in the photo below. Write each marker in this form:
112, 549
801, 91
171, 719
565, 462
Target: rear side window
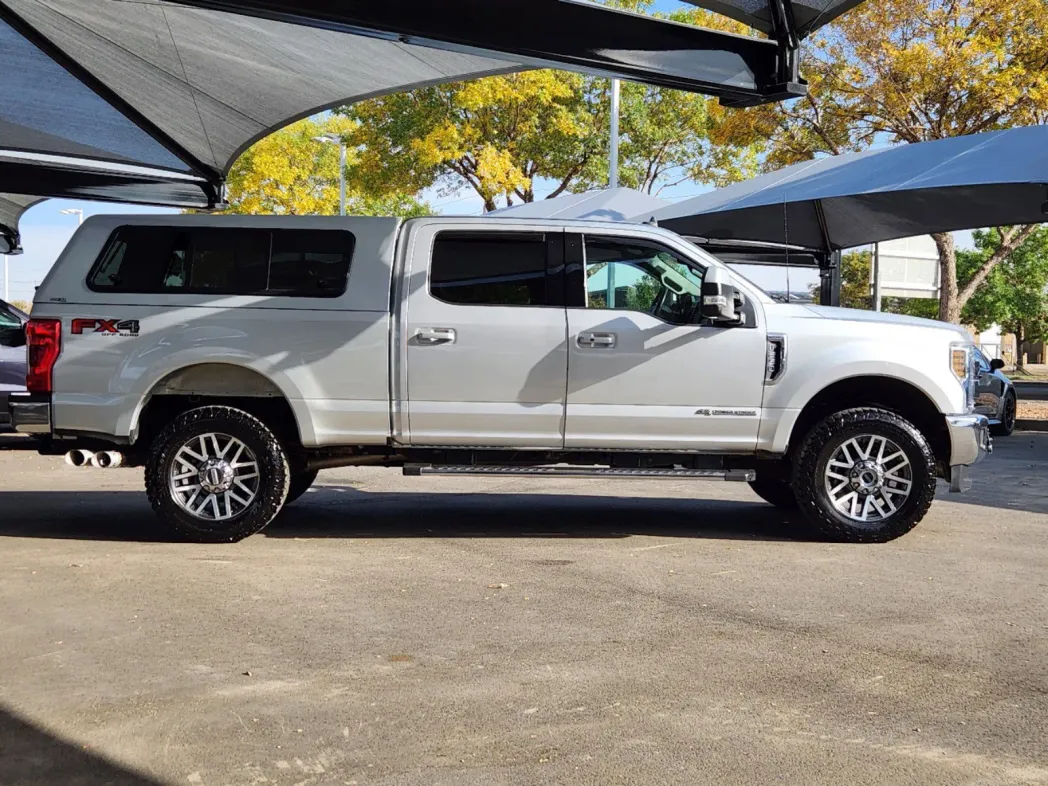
224, 261
489, 269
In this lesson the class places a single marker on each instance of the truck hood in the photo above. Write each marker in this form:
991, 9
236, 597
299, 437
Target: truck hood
857, 315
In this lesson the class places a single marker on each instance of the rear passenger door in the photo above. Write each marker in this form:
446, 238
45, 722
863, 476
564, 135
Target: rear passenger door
483, 328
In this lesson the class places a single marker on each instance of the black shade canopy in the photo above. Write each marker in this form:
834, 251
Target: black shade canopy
12, 206
808, 15
152, 101
982, 180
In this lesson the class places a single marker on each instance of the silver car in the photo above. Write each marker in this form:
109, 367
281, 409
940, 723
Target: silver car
995, 395
12, 355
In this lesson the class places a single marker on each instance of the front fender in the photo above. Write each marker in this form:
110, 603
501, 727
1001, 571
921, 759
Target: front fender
813, 369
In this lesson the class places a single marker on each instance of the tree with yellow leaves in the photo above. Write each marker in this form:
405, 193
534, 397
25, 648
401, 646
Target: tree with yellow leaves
501, 135
289, 173
906, 71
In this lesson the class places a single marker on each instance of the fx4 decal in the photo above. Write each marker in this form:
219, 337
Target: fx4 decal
107, 327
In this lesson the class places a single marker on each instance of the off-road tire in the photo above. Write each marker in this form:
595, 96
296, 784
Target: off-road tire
272, 461
300, 484
1007, 425
819, 446
778, 492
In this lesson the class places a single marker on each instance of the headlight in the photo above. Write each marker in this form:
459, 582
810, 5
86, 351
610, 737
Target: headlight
959, 360
962, 363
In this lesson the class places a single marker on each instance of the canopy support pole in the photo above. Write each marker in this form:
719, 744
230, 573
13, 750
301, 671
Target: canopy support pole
829, 263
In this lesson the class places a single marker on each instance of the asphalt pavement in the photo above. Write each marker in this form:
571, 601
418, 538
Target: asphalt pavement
427, 631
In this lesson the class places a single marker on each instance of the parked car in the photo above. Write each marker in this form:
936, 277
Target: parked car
12, 355
995, 395
235, 356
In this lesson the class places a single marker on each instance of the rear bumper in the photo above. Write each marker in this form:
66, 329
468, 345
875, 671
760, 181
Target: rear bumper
30, 413
970, 443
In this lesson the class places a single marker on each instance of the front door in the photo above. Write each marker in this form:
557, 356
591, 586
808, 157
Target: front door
642, 371
485, 335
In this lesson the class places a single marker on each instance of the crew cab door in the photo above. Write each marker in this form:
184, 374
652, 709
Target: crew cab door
483, 338
643, 372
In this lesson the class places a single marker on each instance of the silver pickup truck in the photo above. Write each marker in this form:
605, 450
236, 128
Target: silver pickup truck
234, 357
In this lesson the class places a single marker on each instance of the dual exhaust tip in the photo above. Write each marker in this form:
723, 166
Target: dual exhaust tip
103, 459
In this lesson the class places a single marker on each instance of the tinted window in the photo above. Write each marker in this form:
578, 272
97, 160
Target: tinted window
225, 261
489, 269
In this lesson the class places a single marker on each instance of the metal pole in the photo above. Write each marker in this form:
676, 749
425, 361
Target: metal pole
876, 276
342, 179
613, 153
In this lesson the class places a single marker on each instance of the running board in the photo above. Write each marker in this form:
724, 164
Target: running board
737, 475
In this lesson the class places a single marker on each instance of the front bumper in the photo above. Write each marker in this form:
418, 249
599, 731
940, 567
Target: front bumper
30, 413
970, 443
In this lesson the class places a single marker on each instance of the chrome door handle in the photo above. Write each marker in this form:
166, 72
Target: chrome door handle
596, 340
434, 336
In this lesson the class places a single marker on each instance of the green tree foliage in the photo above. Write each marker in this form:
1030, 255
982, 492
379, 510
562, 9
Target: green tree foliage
289, 173
1015, 293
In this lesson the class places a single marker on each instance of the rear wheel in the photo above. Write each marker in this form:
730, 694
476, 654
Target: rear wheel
217, 475
864, 476
778, 492
1007, 424
300, 484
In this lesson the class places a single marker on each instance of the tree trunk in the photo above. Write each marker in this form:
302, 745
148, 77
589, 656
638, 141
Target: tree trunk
949, 304
489, 204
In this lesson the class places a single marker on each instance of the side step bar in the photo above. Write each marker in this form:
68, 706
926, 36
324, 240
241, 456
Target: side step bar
738, 475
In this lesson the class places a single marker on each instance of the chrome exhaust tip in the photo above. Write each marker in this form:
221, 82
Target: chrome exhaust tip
79, 458
107, 459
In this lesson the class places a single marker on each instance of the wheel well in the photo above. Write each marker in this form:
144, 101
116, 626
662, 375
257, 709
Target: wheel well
888, 393
208, 384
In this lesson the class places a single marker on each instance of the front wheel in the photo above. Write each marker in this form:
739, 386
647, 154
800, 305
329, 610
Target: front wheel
217, 475
1007, 424
778, 492
864, 476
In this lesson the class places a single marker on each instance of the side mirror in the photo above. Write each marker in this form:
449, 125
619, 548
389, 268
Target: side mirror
718, 296
996, 364
12, 337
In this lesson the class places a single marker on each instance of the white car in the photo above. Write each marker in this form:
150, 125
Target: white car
234, 357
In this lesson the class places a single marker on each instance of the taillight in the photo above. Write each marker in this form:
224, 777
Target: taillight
43, 345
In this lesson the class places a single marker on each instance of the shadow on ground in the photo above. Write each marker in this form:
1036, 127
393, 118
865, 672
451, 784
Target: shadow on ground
31, 756
340, 512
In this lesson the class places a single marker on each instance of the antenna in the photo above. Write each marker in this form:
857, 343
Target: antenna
786, 240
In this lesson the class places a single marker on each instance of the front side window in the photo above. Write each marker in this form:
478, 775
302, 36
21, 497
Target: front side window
489, 269
628, 275
224, 261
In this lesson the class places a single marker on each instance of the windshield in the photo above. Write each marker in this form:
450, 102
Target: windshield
703, 253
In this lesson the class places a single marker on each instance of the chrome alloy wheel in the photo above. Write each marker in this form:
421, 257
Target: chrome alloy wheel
868, 478
214, 477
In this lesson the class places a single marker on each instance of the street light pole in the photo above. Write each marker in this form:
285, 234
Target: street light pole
74, 211
341, 178
335, 139
613, 163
